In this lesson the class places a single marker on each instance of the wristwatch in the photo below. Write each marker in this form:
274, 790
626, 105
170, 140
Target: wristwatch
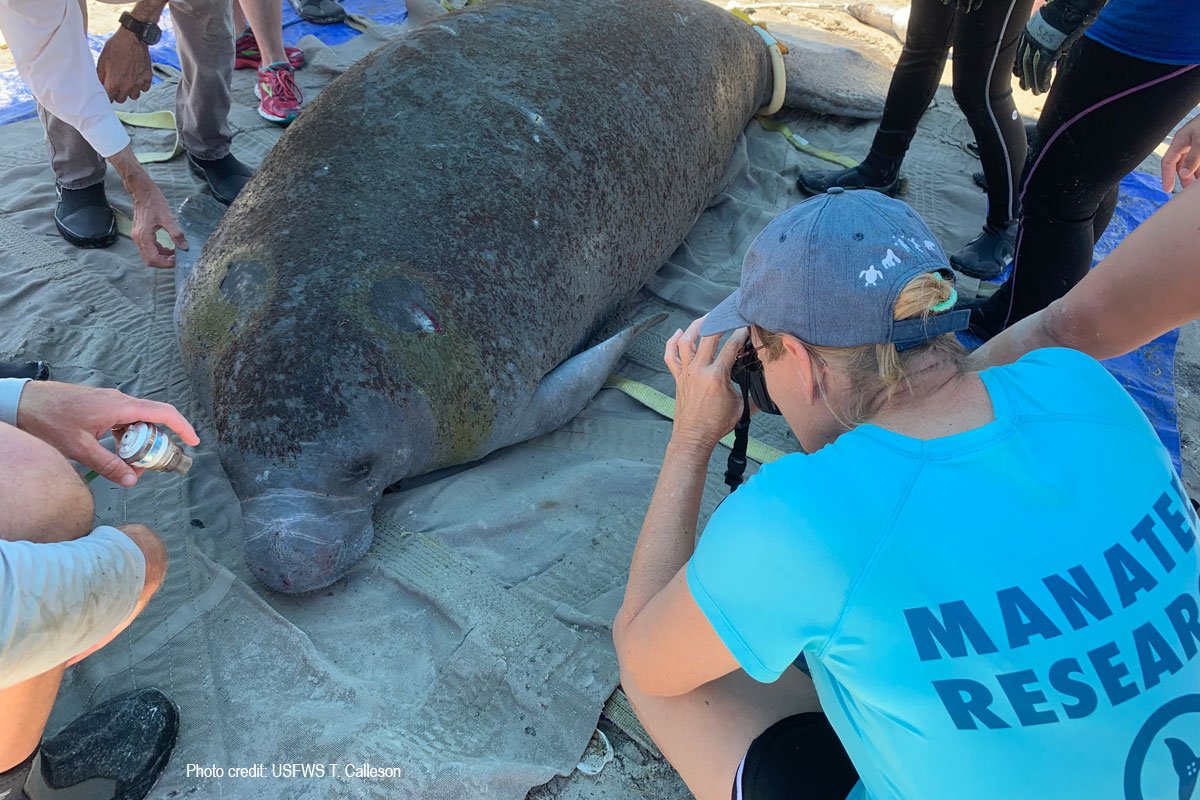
146, 32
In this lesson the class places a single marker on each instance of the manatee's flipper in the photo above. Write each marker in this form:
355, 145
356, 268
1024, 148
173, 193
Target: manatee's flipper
1187, 766
567, 388
198, 217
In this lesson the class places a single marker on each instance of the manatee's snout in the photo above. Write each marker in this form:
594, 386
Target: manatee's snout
299, 541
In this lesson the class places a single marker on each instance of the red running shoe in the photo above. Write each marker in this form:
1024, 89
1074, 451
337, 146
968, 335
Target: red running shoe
278, 95
246, 54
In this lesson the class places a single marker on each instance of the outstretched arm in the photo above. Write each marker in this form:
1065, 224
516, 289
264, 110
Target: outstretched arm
1148, 285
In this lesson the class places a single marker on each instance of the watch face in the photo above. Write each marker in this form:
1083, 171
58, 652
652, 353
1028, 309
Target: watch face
151, 34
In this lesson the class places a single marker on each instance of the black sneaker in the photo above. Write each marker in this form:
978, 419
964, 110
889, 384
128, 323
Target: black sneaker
988, 314
84, 217
34, 370
818, 181
114, 752
225, 176
989, 254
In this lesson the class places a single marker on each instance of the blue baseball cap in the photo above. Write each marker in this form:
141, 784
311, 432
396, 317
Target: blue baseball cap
829, 271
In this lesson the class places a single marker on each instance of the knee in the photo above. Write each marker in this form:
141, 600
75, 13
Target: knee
153, 551
971, 96
42, 498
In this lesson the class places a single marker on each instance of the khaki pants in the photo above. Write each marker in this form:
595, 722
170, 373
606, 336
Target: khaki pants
204, 30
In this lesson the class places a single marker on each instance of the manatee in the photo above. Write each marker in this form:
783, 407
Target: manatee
409, 280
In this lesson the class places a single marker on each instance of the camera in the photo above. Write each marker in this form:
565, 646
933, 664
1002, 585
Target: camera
747, 373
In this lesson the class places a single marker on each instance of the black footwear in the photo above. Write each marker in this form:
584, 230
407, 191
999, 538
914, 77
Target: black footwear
225, 176
34, 370
84, 217
988, 254
988, 314
116, 751
322, 12
818, 181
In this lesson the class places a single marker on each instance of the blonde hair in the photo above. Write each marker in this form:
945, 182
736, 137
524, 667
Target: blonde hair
879, 370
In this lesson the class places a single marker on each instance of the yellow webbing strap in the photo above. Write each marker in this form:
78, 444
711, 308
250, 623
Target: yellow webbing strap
160, 120
804, 146
662, 404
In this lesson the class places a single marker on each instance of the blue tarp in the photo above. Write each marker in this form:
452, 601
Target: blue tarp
16, 103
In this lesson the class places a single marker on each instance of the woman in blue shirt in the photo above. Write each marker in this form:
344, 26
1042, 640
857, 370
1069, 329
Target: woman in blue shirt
1047, 648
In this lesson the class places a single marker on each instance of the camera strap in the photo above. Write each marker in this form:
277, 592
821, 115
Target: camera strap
736, 465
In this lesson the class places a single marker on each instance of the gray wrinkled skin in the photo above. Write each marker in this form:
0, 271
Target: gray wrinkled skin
448, 222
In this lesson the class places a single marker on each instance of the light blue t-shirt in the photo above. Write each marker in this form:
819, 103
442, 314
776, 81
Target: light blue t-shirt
1009, 612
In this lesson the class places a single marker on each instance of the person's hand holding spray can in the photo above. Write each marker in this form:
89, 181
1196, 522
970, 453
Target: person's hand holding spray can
74, 418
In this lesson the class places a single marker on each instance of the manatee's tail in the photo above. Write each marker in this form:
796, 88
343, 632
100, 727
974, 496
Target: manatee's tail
1187, 767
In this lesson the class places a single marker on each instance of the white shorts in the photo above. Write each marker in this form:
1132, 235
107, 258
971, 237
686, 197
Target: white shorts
57, 600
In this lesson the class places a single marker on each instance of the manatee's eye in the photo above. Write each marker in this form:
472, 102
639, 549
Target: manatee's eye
361, 470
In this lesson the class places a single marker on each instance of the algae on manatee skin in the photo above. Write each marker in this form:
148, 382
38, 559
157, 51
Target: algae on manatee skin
445, 365
210, 319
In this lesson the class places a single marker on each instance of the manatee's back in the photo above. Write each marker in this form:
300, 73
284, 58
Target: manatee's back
460, 209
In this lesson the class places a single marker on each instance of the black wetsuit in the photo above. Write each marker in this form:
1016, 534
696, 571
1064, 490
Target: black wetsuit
984, 44
1106, 112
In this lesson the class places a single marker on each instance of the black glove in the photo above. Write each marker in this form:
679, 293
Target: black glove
1048, 35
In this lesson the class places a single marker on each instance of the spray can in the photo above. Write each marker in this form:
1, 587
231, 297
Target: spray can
149, 446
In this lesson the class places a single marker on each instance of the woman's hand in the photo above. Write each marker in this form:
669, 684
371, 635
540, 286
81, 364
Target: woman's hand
706, 405
1182, 157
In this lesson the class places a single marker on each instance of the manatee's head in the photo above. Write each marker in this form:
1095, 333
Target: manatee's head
318, 377
306, 512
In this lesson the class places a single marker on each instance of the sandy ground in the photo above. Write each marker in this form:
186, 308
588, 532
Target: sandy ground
635, 773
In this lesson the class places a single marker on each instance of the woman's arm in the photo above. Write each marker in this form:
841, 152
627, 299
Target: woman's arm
1148, 285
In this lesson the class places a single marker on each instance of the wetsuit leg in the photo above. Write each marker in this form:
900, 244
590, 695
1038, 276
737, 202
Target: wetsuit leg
1105, 113
918, 72
985, 44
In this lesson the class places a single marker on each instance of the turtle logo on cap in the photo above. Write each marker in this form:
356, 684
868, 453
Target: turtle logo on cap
871, 275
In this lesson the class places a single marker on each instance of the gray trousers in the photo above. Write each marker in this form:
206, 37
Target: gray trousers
204, 31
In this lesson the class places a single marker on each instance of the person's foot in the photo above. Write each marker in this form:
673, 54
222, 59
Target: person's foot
278, 95
988, 314
34, 370
246, 54
84, 217
989, 254
818, 181
114, 752
322, 12
225, 176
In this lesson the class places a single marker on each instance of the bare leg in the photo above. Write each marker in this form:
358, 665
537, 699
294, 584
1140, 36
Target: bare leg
239, 18
266, 20
43, 500
705, 733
